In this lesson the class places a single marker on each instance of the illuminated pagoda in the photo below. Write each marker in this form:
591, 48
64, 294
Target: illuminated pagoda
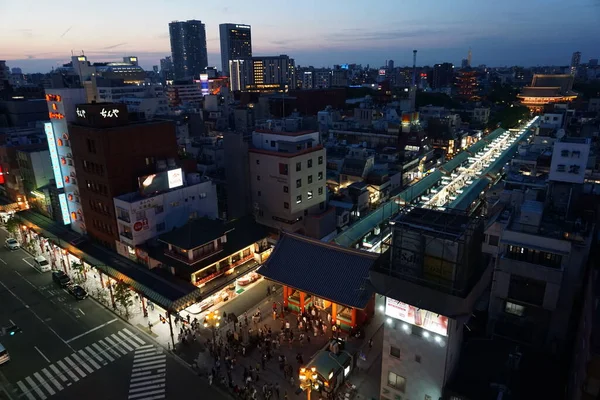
547, 89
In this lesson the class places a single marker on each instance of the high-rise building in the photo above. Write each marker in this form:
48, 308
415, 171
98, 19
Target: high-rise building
270, 73
575, 61
390, 65
112, 154
442, 76
236, 44
188, 48
3, 74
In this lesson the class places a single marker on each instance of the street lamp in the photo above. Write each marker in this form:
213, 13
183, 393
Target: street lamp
212, 320
308, 379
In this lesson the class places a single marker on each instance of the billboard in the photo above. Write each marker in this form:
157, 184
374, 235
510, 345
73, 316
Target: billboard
64, 209
160, 182
175, 178
204, 84
53, 154
427, 320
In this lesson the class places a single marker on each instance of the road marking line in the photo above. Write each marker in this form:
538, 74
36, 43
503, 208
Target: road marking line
122, 343
36, 388
128, 339
109, 349
75, 367
26, 280
95, 355
154, 363
11, 321
31, 265
91, 330
42, 354
44, 383
61, 375
134, 337
103, 352
25, 390
138, 381
152, 387
82, 363
3, 261
59, 387
137, 395
35, 314
115, 343
138, 374
150, 368
152, 380
145, 351
147, 359
161, 396
81, 311
68, 371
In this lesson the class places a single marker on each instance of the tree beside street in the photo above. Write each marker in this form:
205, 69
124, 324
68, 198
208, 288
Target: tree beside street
123, 296
78, 268
12, 226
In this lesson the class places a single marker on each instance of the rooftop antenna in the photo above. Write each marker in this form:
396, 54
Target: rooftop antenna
414, 77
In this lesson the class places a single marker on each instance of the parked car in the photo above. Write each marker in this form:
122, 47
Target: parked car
77, 291
41, 264
11, 244
61, 278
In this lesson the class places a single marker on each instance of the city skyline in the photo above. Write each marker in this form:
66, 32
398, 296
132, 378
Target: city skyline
521, 33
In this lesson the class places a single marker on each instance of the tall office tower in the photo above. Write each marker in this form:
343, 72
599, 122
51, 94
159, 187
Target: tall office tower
268, 73
236, 44
442, 76
469, 58
3, 75
188, 48
575, 61
390, 64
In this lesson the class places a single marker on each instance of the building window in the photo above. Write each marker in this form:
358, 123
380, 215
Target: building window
320, 191
257, 162
417, 358
258, 177
160, 227
298, 166
298, 183
396, 381
320, 176
546, 259
299, 199
286, 189
309, 195
493, 240
286, 205
394, 352
526, 290
273, 143
320, 160
283, 169
309, 163
309, 179
259, 193
514, 309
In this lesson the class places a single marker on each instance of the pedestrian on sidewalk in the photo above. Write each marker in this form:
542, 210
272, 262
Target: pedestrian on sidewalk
268, 291
150, 326
277, 389
370, 343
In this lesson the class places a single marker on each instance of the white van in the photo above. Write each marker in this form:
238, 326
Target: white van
4, 356
41, 264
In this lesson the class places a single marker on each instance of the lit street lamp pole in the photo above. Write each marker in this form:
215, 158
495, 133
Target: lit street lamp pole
212, 320
308, 378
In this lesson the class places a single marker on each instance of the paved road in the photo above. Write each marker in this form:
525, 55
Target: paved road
71, 349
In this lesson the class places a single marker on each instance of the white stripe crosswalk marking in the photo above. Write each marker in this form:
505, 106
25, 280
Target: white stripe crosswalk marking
145, 351
149, 358
138, 395
115, 345
43, 382
58, 373
56, 384
89, 359
153, 380
103, 351
153, 367
68, 371
75, 367
25, 390
136, 375
109, 349
134, 337
160, 396
132, 342
91, 351
148, 376
153, 387
154, 364
121, 342
82, 363
36, 388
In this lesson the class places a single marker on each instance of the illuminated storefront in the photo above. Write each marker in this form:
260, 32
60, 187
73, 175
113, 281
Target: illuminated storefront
418, 317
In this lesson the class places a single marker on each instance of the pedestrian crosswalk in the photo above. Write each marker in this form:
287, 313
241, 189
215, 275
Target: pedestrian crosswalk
76, 366
148, 375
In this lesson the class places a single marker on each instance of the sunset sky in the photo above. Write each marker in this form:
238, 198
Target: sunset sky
36, 35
